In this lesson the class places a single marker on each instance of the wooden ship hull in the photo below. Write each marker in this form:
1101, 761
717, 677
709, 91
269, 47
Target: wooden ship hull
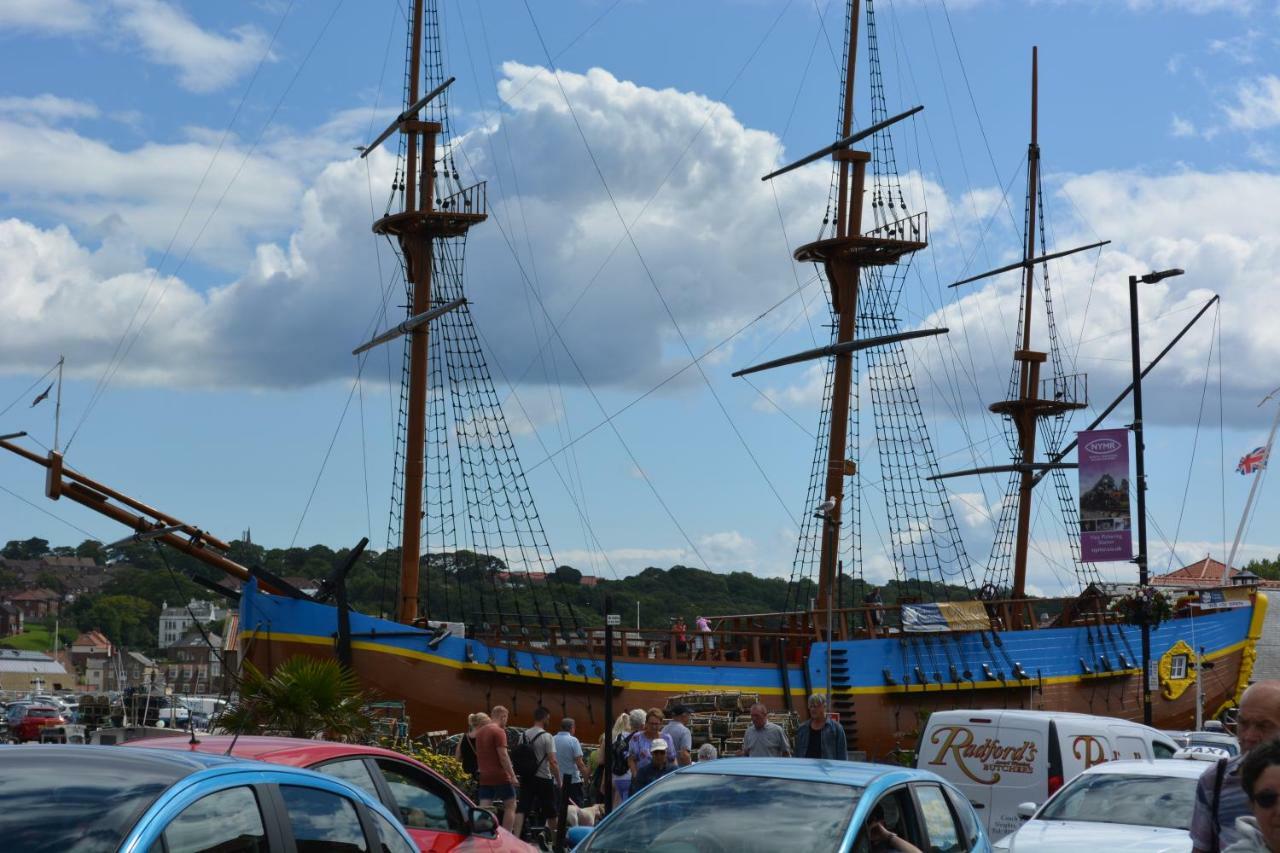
1042, 669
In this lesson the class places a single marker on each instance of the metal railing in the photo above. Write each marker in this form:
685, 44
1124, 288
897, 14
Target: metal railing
912, 229
474, 200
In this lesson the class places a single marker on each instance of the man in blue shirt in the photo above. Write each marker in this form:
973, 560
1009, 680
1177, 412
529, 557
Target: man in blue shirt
569, 758
821, 737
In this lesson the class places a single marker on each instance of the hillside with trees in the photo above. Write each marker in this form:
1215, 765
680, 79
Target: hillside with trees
458, 586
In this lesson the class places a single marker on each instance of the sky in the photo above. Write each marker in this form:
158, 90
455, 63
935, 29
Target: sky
184, 217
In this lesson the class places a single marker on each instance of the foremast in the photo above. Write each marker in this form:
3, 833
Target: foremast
416, 228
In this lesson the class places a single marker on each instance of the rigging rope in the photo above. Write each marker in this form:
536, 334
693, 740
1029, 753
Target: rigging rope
118, 356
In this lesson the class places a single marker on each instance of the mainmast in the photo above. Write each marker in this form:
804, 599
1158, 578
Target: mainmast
416, 228
843, 258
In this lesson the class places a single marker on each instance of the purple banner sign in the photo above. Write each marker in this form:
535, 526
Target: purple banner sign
1105, 533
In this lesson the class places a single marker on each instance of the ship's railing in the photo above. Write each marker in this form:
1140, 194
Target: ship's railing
911, 229
1072, 389
771, 637
473, 199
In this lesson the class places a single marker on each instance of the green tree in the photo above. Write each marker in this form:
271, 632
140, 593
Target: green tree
27, 549
126, 620
568, 575
93, 549
304, 698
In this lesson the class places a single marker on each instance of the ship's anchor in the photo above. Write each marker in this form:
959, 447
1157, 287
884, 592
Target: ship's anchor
335, 586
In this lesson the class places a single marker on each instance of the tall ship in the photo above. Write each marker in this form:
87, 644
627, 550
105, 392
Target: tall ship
463, 637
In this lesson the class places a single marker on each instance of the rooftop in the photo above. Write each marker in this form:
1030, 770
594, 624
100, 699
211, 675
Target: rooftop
1208, 572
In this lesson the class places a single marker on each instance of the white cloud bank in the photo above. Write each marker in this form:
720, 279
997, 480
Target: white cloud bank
709, 238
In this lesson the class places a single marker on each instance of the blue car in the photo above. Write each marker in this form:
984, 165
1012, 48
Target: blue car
104, 799
750, 805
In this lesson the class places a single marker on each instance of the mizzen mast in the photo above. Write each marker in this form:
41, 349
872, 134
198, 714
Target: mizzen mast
1062, 394
423, 220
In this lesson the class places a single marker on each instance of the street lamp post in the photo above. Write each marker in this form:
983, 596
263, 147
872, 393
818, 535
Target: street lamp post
1141, 475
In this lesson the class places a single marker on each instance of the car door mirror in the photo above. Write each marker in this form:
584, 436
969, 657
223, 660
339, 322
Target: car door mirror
482, 822
1026, 810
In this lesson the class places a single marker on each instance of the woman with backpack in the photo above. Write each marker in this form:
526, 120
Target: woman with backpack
623, 728
466, 751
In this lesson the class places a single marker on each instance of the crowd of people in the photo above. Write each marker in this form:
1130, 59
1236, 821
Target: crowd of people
533, 774
1237, 808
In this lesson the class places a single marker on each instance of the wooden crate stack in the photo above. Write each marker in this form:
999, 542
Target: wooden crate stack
721, 719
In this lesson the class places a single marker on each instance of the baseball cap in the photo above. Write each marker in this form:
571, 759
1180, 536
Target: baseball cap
677, 710
659, 745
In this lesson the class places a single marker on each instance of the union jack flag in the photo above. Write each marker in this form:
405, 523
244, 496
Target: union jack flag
1254, 460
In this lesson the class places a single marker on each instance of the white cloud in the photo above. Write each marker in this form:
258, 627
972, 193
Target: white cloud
625, 561
51, 17
82, 181
1181, 127
47, 108
728, 550
291, 308
972, 509
205, 61
1215, 226
1257, 104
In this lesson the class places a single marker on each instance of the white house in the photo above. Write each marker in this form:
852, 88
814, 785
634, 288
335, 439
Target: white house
176, 621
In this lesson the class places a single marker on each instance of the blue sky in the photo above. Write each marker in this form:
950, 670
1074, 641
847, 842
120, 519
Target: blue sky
1157, 127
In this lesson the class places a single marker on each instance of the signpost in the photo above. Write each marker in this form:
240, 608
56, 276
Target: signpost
611, 620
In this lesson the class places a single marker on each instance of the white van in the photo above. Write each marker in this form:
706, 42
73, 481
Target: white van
1001, 758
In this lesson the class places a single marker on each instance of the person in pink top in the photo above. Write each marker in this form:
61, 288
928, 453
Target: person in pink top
703, 640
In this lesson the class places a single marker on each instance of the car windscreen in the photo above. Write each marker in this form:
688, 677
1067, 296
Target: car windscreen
699, 812
1232, 748
58, 801
1118, 798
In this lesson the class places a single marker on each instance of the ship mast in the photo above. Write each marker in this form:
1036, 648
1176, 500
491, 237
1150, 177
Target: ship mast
1026, 410
416, 228
1026, 416
843, 258
843, 278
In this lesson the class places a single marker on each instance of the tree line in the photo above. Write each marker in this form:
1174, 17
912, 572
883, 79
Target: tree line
457, 586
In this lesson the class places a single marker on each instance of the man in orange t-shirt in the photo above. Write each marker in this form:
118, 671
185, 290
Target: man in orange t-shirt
497, 777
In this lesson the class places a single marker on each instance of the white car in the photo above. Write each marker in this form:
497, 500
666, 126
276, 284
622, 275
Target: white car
1119, 805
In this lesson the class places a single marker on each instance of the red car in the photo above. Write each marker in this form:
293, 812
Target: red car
28, 722
438, 816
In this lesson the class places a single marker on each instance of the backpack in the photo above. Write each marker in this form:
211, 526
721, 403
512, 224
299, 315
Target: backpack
1219, 775
620, 746
524, 758
470, 762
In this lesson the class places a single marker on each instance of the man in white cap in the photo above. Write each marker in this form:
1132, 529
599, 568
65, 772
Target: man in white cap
657, 767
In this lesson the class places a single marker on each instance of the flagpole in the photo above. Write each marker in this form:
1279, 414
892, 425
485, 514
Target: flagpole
1253, 492
57, 406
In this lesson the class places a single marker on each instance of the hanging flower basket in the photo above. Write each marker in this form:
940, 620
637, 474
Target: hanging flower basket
1144, 607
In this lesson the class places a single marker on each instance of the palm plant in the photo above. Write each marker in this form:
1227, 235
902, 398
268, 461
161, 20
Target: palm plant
303, 697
